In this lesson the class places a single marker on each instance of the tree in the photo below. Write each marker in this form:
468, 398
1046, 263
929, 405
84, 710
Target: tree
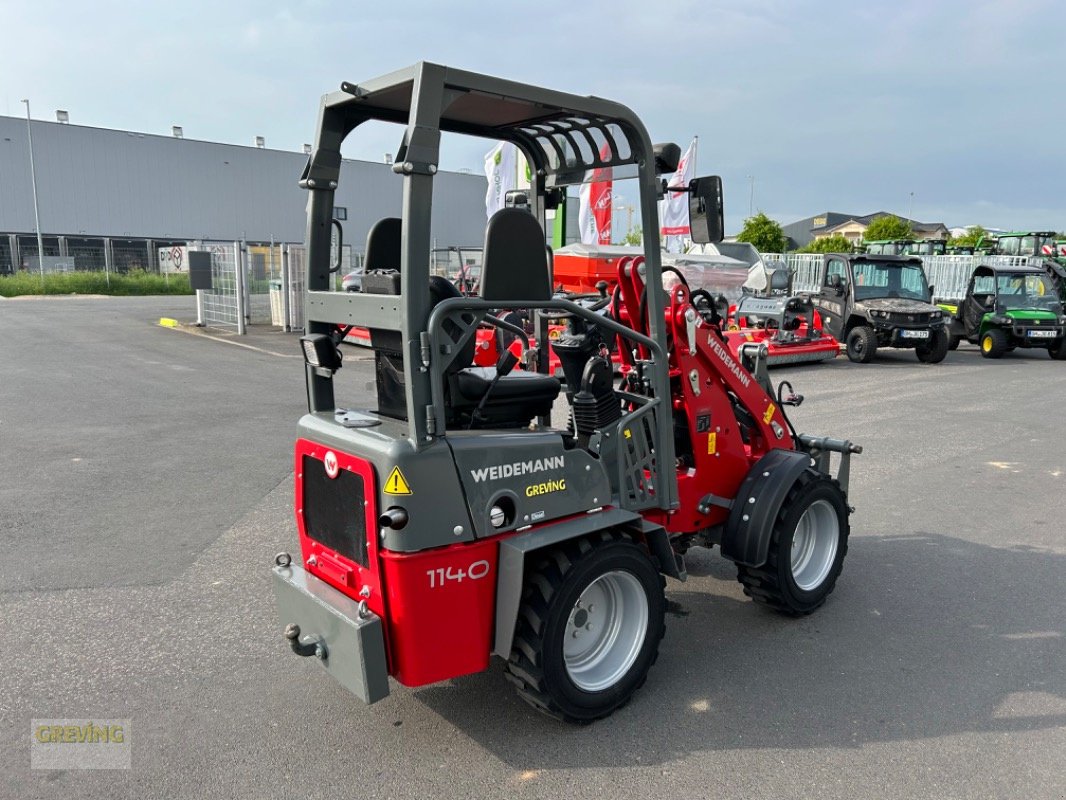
764, 234
888, 227
634, 237
969, 239
837, 243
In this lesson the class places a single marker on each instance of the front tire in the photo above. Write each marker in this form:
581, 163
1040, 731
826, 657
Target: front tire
1057, 350
953, 342
994, 343
862, 344
592, 616
936, 350
807, 548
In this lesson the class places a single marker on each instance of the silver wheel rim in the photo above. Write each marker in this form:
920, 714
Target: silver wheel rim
605, 631
814, 545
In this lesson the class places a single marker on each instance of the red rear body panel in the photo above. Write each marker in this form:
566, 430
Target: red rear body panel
437, 605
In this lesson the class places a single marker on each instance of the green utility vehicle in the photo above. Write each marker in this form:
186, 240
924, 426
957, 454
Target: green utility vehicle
1009, 307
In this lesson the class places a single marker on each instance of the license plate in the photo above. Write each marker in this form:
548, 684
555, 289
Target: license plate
1042, 334
914, 334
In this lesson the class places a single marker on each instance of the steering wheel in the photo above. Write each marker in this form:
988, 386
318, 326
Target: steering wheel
709, 309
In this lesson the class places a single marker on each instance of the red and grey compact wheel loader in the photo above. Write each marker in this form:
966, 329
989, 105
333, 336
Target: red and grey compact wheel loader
452, 521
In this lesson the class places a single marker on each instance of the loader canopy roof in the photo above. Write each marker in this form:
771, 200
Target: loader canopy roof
564, 135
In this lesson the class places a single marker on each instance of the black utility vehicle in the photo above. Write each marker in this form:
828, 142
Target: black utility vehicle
872, 301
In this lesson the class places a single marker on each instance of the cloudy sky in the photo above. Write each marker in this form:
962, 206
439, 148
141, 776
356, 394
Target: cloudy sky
956, 110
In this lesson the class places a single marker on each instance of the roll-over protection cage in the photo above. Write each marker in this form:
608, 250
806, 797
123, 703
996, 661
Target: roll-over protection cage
563, 138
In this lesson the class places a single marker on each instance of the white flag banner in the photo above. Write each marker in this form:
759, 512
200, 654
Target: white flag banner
500, 170
586, 222
673, 209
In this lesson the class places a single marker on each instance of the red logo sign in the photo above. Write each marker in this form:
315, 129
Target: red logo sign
333, 469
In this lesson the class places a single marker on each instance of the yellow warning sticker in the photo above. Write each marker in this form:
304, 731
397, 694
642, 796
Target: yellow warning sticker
396, 483
712, 443
627, 433
769, 415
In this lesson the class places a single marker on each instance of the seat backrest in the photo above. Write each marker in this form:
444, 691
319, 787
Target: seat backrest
383, 245
515, 263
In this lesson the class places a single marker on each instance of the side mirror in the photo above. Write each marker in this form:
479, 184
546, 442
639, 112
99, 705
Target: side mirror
667, 157
706, 211
932, 289
834, 281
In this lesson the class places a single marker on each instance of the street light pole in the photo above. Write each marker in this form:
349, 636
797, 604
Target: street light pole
751, 197
910, 211
36, 209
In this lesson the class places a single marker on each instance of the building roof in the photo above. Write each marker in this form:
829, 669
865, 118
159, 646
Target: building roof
866, 219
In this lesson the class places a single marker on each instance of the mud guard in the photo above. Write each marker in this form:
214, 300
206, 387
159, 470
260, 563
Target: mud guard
515, 550
746, 539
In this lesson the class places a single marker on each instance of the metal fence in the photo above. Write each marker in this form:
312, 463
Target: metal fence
806, 269
950, 275
259, 284
221, 306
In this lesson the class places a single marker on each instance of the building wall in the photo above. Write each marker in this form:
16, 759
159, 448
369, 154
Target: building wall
96, 182
852, 231
802, 232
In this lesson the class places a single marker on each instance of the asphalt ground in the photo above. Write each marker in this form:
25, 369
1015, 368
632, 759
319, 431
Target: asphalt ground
147, 484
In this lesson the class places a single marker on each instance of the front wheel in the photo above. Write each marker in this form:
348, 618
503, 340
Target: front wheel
807, 548
1057, 350
935, 350
953, 342
862, 344
994, 343
592, 617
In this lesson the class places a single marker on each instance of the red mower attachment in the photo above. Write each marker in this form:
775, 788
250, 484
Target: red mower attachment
790, 327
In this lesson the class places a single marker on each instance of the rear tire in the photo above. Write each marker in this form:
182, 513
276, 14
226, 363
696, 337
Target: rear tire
994, 343
862, 344
936, 350
1058, 350
592, 616
807, 548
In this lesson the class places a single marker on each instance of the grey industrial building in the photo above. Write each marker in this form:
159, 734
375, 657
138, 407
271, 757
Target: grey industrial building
112, 198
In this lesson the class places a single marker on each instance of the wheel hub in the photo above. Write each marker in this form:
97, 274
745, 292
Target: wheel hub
605, 631
814, 545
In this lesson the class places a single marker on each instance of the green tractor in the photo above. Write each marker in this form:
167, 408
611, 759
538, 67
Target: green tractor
1009, 307
1042, 251
1024, 243
889, 247
927, 247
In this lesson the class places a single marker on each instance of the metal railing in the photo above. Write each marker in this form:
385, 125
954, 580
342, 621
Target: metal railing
950, 275
806, 269
221, 306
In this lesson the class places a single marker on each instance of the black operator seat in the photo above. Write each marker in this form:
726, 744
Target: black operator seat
514, 268
381, 275
383, 245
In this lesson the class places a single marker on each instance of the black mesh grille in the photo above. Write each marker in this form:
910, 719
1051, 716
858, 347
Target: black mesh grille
333, 510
